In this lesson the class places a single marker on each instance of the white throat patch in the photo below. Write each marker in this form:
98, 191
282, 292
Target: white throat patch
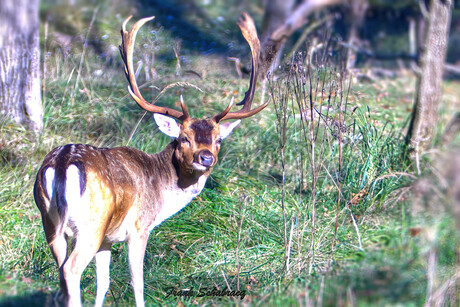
176, 199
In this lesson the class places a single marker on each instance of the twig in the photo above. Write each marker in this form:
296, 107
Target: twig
237, 66
431, 275
356, 227
282, 118
44, 64
288, 252
135, 128
339, 171
183, 84
238, 240
176, 50
85, 45
225, 279
313, 171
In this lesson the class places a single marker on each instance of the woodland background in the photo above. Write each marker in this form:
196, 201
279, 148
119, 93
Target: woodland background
318, 200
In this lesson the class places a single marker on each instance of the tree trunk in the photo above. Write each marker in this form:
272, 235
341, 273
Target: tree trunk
422, 127
276, 12
281, 20
20, 63
355, 14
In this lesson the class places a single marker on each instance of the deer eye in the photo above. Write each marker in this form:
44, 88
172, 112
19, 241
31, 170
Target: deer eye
219, 140
184, 140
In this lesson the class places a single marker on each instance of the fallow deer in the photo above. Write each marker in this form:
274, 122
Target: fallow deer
100, 196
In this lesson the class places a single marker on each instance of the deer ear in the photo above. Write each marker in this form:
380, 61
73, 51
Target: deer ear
167, 125
227, 128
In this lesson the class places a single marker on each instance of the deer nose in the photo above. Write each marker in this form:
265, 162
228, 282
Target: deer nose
206, 158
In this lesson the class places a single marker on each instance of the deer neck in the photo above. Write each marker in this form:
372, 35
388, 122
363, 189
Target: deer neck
181, 185
182, 177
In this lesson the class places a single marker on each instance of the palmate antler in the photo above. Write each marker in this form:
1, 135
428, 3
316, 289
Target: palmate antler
249, 32
248, 29
126, 50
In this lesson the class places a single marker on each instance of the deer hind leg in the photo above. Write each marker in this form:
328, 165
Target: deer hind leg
102, 272
59, 250
58, 246
89, 214
86, 246
136, 252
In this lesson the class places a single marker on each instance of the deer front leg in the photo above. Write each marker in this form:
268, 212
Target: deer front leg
136, 251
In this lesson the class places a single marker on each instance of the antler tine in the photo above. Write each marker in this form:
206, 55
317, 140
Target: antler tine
126, 51
248, 29
182, 105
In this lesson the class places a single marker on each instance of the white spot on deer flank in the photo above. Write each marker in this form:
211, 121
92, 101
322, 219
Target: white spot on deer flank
72, 185
49, 179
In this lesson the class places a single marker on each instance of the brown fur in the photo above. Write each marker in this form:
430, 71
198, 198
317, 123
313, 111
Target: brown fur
123, 193
118, 181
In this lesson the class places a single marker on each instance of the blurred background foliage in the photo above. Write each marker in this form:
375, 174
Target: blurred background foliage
207, 26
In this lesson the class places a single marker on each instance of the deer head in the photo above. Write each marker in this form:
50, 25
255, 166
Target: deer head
198, 139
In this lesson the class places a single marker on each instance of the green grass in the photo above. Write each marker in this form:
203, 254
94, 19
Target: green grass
232, 236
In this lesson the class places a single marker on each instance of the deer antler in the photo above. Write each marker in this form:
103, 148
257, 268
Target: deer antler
126, 51
248, 29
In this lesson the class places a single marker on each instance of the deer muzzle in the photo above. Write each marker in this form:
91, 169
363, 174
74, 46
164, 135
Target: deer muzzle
205, 158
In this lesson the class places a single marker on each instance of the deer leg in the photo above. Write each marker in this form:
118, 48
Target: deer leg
58, 248
102, 272
136, 252
82, 254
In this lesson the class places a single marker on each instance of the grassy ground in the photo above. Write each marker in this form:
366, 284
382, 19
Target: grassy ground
350, 223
